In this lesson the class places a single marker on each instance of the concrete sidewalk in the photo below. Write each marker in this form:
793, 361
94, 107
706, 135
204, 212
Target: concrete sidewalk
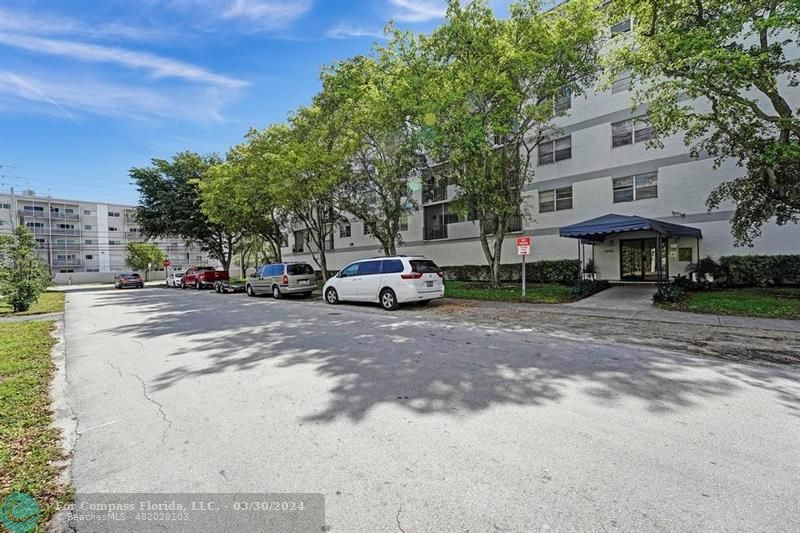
653, 314
28, 318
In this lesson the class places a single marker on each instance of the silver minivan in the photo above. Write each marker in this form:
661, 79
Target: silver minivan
282, 278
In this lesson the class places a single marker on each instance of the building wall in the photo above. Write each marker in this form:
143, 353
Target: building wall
684, 184
98, 242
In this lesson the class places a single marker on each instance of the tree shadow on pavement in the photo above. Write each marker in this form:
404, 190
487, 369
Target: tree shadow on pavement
425, 366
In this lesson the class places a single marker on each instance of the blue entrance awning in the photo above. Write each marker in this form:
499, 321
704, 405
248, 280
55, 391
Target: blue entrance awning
601, 228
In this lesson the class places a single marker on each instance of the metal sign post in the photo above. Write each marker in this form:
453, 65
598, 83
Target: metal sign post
523, 249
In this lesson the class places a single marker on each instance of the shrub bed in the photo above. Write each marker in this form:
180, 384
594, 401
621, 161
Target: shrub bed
761, 270
563, 271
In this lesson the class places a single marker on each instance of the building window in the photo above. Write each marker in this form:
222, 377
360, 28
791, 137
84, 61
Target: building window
89, 257
404, 222
623, 26
563, 100
36, 208
88, 241
639, 187
113, 228
555, 150
65, 226
367, 230
113, 213
622, 83
685, 254
284, 240
633, 130
111, 243
87, 227
299, 241
555, 199
92, 270
87, 212
34, 224
5, 206
69, 211
345, 231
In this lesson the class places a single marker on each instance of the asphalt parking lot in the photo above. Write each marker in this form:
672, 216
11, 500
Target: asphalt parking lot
405, 423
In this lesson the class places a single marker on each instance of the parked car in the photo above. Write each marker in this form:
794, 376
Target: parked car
390, 281
231, 285
129, 279
282, 278
174, 279
202, 277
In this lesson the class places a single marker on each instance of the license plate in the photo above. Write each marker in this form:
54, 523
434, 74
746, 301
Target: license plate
429, 284
302, 282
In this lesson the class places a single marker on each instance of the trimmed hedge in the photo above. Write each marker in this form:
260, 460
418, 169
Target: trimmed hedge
761, 270
563, 271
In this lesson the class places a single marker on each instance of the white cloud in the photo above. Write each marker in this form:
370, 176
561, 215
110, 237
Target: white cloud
157, 66
20, 22
250, 15
418, 10
345, 31
63, 95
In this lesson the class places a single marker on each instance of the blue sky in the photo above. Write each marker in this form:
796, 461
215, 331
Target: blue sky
89, 89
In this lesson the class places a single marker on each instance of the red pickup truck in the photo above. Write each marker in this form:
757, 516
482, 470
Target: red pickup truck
202, 277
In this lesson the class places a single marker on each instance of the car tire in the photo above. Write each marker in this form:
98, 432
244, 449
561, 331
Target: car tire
276, 292
183, 284
249, 290
388, 299
331, 296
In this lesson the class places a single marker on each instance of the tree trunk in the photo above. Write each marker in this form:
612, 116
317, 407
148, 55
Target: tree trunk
487, 253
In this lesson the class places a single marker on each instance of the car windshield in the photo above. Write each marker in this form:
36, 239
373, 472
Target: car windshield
299, 269
424, 266
205, 268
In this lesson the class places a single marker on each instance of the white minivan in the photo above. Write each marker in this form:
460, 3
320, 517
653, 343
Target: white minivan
390, 281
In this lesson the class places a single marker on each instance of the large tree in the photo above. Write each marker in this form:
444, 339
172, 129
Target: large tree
491, 101
23, 275
723, 73
170, 204
308, 160
377, 99
144, 256
237, 193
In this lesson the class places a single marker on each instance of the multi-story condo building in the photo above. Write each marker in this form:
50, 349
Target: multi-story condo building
78, 236
599, 165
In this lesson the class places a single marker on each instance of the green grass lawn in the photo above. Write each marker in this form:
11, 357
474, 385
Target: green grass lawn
49, 302
754, 302
535, 293
28, 440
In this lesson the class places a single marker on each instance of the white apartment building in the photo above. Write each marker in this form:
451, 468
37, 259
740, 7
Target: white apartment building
599, 165
77, 236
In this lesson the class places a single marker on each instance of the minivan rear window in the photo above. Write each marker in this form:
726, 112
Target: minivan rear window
391, 266
299, 269
424, 266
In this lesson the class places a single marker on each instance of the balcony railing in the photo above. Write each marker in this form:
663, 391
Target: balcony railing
434, 193
67, 262
48, 215
65, 231
432, 233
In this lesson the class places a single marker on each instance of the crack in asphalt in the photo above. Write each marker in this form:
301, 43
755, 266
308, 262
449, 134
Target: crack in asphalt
160, 406
397, 519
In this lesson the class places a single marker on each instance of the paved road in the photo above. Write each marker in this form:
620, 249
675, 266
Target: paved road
405, 424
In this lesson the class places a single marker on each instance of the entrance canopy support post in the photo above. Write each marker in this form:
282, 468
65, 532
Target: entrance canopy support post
580, 260
658, 261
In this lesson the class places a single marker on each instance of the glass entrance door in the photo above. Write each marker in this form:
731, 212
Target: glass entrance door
638, 259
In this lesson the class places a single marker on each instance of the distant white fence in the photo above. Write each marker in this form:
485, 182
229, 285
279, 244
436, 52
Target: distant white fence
76, 278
